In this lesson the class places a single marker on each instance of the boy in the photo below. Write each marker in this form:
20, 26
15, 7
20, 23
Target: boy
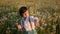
28, 23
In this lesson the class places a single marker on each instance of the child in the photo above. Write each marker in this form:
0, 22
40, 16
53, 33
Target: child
28, 23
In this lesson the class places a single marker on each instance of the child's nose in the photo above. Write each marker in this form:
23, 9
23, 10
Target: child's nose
25, 14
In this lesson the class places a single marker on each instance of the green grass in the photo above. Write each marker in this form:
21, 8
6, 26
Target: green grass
48, 13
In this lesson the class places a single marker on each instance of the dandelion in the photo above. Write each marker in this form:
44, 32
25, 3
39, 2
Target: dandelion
54, 27
42, 23
51, 32
4, 18
49, 24
49, 17
9, 13
45, 24
55, 14
14, 13
41, 28
59, 16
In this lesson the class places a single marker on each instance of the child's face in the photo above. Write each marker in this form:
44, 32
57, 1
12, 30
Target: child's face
26, 14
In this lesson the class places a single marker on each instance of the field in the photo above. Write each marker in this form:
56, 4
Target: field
48, 12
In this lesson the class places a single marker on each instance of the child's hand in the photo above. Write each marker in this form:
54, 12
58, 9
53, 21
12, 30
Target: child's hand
19, 27
37, 23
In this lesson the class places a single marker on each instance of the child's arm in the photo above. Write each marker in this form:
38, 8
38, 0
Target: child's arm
36, 22
19, 27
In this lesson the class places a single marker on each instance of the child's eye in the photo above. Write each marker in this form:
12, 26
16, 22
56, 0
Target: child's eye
24, 14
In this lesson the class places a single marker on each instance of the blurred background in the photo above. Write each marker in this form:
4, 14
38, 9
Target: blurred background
48, 12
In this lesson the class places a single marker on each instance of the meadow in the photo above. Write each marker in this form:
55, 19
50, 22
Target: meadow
48, 12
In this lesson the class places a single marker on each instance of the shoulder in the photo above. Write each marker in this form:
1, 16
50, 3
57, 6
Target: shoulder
21, 20
33, 17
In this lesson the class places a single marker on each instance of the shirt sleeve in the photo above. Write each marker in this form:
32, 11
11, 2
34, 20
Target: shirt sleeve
21, 22
33, 18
